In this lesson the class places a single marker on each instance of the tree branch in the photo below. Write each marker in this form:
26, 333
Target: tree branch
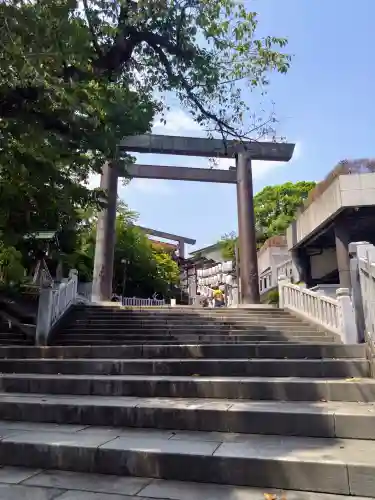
91, 28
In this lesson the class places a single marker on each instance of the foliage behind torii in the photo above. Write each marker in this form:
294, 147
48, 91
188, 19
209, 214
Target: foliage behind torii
76, 77
275, 208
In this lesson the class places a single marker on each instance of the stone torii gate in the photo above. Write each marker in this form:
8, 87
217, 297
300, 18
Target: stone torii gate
181, 240
243, 152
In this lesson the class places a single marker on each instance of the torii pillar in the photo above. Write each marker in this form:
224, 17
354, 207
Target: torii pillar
105, 237
246, 231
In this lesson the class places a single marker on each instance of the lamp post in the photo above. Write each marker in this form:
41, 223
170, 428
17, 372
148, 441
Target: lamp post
125, 264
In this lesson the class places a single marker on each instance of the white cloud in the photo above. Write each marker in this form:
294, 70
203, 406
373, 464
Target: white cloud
178, 122
93, 181
150, 186
261, 168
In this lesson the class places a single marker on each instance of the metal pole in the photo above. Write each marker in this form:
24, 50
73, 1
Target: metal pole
238, 272
246, 231
124, 262
105, 237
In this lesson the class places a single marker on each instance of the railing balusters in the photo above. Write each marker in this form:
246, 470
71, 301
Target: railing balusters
318, 308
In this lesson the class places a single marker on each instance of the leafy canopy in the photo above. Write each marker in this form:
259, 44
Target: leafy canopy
78, 76
55, 127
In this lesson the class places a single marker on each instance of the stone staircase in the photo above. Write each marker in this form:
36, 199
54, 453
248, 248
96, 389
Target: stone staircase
10, 334
255, 398
113, 325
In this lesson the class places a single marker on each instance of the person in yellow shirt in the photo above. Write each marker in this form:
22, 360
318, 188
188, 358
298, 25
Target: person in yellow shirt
218, 297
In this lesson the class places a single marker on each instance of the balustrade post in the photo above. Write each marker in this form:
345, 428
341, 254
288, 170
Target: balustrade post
348, 327
73, 275
44, 317
354, 248
282, 281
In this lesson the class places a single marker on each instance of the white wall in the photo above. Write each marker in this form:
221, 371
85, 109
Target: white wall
352, 190
271, 257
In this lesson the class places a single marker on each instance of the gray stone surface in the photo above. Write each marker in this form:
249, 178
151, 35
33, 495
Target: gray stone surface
159, 445
89, 482
15, 475
17, 492
84, 495
62, 485
178, 490
256, 388
227, 409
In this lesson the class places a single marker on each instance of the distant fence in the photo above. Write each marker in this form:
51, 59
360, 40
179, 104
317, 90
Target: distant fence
137, 302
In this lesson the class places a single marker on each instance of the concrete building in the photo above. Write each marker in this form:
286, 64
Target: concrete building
212, 252
273, 261
339, 210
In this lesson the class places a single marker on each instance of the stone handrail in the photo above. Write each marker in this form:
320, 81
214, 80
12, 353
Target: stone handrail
54, 302
334, 315
362, 270
283, 268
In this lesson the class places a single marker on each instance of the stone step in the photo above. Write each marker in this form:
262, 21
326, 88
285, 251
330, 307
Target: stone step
34, 484
252, 388
181, 311
91, 338
324, 465
205, 321
313, 419
118, 316
326, 368
194, 314
103, 341
187, 327
13, 342
225, 351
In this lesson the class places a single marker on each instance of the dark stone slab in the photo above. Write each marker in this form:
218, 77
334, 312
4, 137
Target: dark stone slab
43, 450
89, 482
16, 492
15, 475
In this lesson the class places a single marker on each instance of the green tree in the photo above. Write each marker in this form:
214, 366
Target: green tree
147, 270
58, 120
275, 208
77, 77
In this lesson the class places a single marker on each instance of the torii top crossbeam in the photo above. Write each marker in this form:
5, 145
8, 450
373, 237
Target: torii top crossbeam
167, 236
199, 146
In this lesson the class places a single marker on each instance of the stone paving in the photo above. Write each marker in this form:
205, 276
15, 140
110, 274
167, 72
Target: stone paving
18, 483
267, 414
340, 465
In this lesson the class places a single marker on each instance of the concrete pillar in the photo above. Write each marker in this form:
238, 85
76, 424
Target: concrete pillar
246, 231
342, 239
301, 261
105, 237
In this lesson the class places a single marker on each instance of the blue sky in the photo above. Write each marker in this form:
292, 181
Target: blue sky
325, 104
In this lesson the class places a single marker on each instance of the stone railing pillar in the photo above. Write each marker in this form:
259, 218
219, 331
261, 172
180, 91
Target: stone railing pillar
357, 298
348, 327
44, 316
73, 275
283, 280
